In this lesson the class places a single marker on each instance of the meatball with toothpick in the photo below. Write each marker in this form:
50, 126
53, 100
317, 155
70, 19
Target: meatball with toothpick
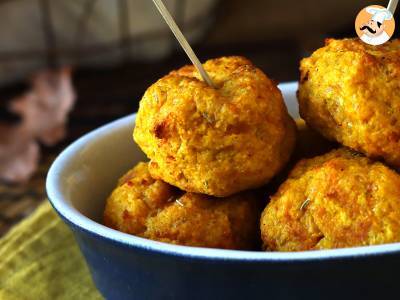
215, 141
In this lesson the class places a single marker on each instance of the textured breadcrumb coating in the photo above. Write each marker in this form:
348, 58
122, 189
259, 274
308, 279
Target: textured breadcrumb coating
340, 199
215, 141
350, 92
153, 209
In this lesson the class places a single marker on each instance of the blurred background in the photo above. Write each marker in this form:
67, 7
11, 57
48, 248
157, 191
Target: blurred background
67, 67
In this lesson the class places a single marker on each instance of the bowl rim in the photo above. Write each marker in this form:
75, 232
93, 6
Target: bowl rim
83, 223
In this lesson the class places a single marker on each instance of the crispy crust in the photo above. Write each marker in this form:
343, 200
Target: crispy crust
215, 141
349, 92
340, 199
153, 209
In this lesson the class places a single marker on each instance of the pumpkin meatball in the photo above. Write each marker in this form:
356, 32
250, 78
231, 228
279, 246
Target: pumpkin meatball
215, 141
340, 199
153, 209
349, 92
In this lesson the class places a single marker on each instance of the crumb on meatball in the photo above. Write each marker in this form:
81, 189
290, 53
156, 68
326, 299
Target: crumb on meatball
349, 92
153, 209
215, 141
340, 199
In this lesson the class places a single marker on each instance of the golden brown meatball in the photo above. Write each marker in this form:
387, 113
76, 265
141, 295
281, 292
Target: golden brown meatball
215, 141
153, 209
340, 199
349, 92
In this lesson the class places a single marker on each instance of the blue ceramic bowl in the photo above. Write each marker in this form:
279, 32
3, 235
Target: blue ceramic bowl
129, 267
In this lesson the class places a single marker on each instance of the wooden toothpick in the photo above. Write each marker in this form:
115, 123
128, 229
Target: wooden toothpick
182, 41
392, 6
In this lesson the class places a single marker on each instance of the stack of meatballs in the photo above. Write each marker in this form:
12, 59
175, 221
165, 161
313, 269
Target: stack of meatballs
213, 151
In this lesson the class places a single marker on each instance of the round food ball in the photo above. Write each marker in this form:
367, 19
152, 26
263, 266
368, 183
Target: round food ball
153, 209
215, 141
349, 92
340, 199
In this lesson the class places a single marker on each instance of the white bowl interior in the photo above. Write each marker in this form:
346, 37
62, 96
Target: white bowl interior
91, 174
85, 173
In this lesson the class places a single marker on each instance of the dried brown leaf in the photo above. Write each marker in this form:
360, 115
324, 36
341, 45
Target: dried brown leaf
43, 111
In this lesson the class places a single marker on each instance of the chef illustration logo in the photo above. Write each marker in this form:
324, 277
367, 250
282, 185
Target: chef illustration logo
375, 25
